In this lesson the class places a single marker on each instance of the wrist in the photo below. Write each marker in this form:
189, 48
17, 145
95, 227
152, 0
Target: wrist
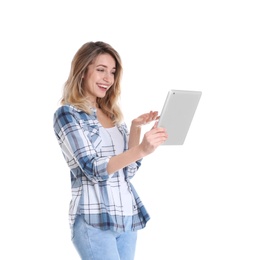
138, 151
135, 125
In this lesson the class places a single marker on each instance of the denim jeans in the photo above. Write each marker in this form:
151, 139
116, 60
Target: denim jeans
95, 244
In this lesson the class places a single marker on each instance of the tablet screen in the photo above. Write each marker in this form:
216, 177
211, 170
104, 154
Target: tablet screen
177, 114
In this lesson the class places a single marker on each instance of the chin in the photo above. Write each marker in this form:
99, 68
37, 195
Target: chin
101, 95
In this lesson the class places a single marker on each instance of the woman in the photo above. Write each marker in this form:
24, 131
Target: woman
105, 211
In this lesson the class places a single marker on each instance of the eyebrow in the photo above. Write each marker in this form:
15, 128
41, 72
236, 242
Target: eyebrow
114, 68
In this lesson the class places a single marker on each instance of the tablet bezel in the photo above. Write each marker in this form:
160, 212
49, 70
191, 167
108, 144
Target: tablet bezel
177, 114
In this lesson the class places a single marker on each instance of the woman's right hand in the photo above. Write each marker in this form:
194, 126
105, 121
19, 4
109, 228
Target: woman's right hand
152, 139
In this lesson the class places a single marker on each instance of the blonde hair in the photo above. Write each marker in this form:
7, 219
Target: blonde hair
73, 91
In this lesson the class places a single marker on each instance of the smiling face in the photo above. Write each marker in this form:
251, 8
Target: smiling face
99, 77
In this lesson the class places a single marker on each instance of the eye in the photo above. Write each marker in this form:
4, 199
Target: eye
100, 69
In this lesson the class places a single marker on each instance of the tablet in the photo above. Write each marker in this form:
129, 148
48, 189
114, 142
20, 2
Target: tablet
177, 114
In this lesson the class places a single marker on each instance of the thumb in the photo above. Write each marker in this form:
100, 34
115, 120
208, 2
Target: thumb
155, 125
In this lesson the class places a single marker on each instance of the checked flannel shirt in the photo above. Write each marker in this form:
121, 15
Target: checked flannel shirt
79, 138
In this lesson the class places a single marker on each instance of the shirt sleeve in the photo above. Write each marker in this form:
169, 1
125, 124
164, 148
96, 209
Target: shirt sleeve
76, 146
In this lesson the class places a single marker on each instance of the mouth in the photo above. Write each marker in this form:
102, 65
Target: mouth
103, 87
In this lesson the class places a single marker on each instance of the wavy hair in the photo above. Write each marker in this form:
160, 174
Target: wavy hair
73, 91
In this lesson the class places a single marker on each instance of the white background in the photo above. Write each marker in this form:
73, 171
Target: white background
199, 195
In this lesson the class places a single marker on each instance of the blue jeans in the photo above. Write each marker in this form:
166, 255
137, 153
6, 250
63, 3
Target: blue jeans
95, 244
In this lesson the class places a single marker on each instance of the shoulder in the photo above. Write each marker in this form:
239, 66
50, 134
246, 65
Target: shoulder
66, 109
70, 110
70, 114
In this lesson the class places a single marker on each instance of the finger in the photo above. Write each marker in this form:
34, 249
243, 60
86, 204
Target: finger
159, 138
156, 129
155, 125
152, 115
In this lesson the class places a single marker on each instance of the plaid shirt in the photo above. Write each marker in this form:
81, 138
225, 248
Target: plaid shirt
80, 140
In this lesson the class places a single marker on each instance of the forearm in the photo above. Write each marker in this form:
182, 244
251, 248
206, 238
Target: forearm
151, 140
134, 136
124, 159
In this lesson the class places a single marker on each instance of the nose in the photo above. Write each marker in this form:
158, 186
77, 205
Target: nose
108, 77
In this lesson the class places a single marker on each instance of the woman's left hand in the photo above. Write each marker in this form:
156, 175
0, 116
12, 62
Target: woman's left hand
145, 118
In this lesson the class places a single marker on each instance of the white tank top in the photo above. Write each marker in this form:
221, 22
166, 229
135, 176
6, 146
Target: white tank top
119, 187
